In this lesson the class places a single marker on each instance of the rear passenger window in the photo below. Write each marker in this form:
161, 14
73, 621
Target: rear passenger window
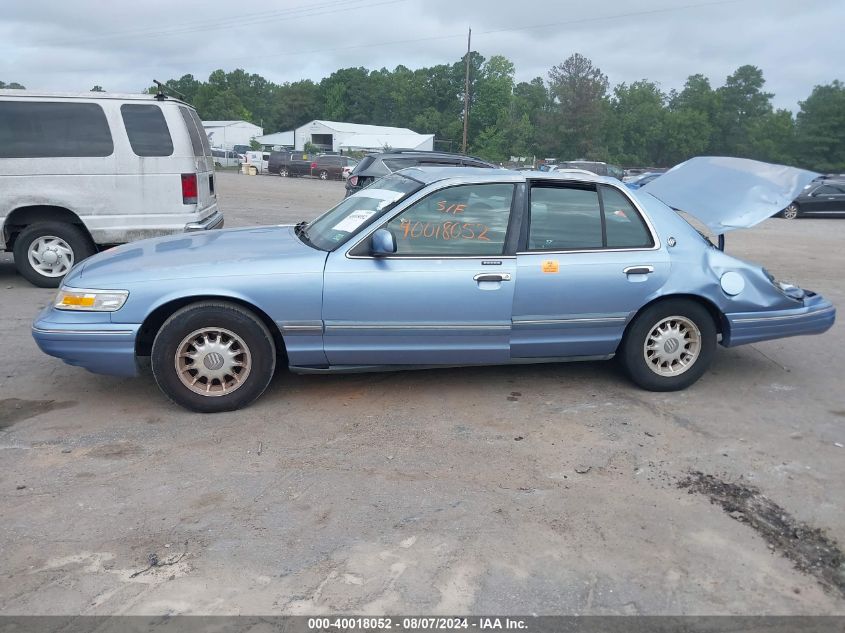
564, 218
576, 218
41, 129
623, 224
147, 130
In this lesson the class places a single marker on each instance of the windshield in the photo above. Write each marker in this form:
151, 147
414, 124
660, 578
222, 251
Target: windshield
338, 224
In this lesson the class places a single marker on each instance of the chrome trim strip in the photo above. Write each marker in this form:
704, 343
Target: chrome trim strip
300, 327
331, 327
91, 332
785, 317
564, 321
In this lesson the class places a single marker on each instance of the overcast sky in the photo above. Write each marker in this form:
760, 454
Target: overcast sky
121, 45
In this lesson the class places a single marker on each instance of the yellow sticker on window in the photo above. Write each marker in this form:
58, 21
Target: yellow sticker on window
551, 266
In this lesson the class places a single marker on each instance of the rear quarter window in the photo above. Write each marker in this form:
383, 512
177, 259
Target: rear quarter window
196, 143
43, 129
147, 130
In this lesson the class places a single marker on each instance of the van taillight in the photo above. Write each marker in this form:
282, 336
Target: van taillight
353, 180
189, 188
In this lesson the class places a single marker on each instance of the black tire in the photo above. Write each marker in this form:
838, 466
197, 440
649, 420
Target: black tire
73, 236
283, 172
254, 335
792, 212
324, 175
633, 354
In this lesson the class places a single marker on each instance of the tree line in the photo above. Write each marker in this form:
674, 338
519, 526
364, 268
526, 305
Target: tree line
573, 113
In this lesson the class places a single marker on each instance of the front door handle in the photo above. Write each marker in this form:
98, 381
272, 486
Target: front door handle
492, 277
638, 270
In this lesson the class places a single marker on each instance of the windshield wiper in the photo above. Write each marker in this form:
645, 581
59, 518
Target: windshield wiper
300, 229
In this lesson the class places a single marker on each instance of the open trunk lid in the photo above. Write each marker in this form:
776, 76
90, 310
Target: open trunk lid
727, 193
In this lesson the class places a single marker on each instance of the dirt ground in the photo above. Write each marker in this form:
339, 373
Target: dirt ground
550, 489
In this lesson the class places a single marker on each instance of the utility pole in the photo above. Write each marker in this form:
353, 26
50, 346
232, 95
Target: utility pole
466, 95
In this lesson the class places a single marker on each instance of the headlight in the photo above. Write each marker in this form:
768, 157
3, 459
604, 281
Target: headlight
90, 300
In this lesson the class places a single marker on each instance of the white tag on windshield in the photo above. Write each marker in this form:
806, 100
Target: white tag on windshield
353, 221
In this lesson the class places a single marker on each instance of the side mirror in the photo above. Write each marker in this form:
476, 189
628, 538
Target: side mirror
382, 243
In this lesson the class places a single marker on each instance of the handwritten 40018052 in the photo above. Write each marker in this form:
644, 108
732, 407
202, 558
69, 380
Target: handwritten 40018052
445, 231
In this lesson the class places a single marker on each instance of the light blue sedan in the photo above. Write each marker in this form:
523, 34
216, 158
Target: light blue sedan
443, 267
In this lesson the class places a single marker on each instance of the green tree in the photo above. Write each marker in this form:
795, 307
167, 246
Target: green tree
11, 86
820, 129
580, 110
97, 89
743, 104
638, 123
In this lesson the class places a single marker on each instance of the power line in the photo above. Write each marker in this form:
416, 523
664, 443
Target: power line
616, 16
494, 31
236, 21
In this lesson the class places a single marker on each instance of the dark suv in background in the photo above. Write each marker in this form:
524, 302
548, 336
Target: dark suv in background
374, 166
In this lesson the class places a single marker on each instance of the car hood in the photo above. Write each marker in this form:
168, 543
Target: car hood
728, 193
200, 255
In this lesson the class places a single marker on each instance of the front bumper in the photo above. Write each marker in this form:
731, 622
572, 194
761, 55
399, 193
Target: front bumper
815, 316
89, 340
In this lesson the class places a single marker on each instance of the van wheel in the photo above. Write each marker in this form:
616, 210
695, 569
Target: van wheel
213, 356
324, 175
46, 251
669, 345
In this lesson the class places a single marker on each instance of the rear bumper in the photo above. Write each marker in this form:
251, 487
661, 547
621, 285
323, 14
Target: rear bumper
815, 316
214, 221
86, 340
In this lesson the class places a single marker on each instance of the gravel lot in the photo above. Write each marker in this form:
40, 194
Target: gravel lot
550, 489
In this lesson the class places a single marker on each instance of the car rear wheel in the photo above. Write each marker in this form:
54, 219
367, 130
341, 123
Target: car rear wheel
283, 172
213, 356
669, 345
791, 212
46, 251
324, 175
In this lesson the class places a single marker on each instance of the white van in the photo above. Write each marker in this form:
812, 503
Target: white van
225, 157
259, 160
79, 172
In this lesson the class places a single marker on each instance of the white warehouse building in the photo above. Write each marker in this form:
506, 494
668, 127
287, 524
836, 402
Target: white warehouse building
340, 137
227, 134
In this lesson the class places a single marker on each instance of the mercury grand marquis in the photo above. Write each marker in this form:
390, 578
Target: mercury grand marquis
444, 266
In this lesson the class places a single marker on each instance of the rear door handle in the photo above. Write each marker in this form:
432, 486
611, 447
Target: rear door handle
492, 277
638, 270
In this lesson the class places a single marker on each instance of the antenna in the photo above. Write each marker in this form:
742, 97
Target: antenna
163, 89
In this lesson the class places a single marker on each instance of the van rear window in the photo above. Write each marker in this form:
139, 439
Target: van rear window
147, 130
45, 129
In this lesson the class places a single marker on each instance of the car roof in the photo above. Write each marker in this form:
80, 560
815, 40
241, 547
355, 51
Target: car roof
436, 173
34, 94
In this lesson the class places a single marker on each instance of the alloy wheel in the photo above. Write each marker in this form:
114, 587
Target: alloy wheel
672, 346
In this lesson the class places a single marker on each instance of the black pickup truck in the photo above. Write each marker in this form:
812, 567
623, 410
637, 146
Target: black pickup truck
289, 164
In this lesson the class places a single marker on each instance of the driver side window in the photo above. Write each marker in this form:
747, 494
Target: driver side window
466, 220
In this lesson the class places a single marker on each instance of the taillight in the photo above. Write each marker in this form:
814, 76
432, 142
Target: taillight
314, 165
353, 180
189, 188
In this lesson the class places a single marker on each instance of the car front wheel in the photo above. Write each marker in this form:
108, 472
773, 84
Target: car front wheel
213, 356
669, 345
324, 175
283, 172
